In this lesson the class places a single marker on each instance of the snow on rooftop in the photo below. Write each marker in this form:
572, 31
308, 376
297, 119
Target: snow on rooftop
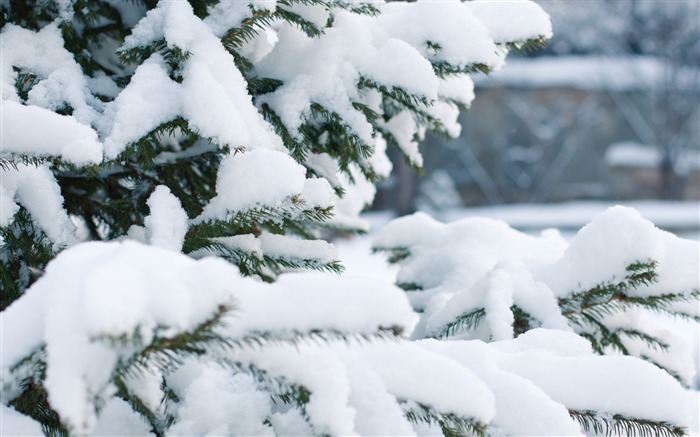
579, 72
633, 154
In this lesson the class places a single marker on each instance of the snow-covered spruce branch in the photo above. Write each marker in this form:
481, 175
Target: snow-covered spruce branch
479, 279
231, 131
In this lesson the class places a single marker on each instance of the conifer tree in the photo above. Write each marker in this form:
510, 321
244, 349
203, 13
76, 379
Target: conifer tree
164, 162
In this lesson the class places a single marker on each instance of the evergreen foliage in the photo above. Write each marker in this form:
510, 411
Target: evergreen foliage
471, 300
151, 146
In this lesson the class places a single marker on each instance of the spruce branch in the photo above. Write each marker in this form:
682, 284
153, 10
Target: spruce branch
464, 322
280, 265
293, 18
11, 161
444, 69
248, 29
138, 406
319, 336
282, 391
522, 320
33, 397
596, 298
24, 82
528, 45
411, 101
169, 352
451, 424
409, 286
138, 55
395, 254
25, 250
617, 424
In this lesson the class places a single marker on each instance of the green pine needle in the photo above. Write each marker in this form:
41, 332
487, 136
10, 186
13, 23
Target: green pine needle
617, 424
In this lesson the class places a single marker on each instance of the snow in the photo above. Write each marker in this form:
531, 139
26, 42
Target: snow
215, 402
317, 192
357, 197
117, 418
607, 384
259, 178
326, 77
17, 424
596, 73
107, 302
445, 23
97, 291
514, 21
166, 225
225, 16
280, 246
61, 80
60, 135
212, 97
377, 411
631, 154
36, 189
680, 215
483, 264
447, 386
603, 249
581, 382
304, 302
635, 155
149, 100
402, 128
246, 243
458, 88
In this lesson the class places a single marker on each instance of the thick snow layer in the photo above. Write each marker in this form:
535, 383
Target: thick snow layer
61, 80
447, 386
149, 100
13, 423
259, 178
479, 264
36, 189
97, 291
118, 418
212, 97
227, 15
305, 302
327, 77
281, 246
623, 385
457, 88
317, 192
217, 402
464, 251
166, 225
615, 239
514, 21
447, 24
60, 135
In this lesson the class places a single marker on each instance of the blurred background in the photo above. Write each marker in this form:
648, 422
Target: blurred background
607, 112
